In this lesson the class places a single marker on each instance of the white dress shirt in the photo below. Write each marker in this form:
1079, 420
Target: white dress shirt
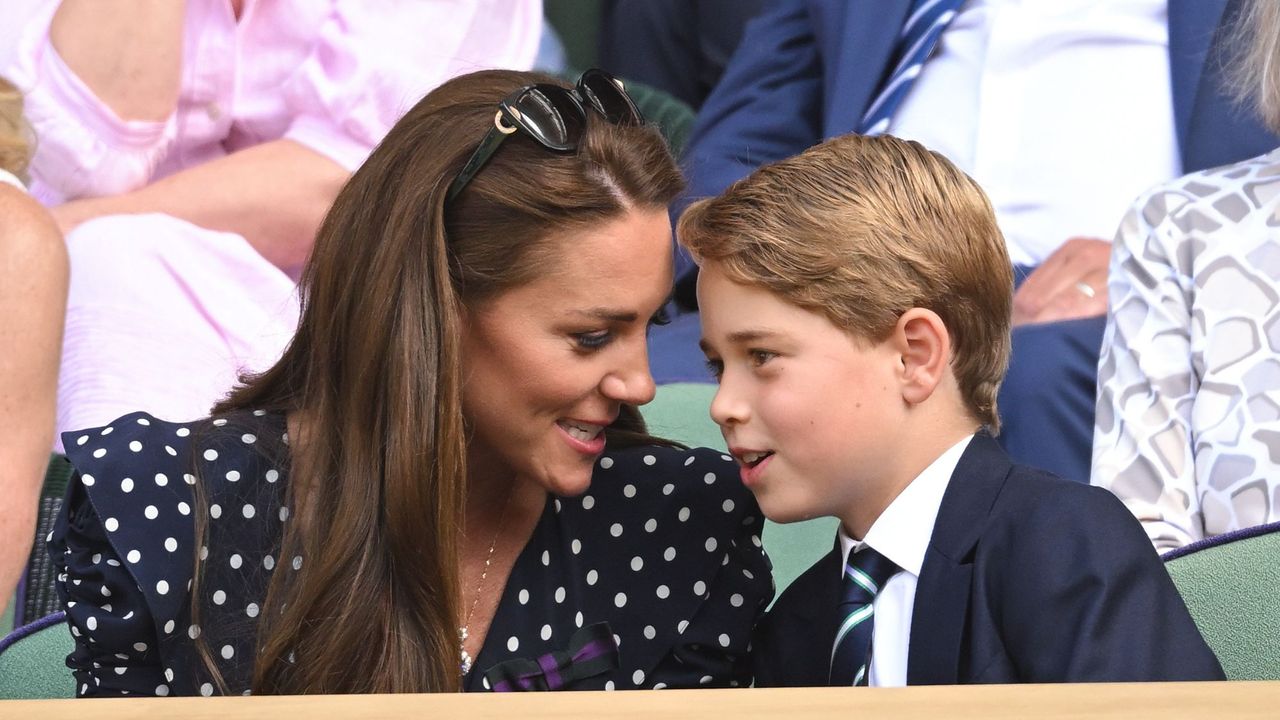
1062, 110
902, 534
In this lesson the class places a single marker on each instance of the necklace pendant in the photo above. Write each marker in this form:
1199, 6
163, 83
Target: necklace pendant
466, 656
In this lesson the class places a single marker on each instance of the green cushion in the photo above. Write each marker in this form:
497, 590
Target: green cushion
681, 412
36, 666
1231, 591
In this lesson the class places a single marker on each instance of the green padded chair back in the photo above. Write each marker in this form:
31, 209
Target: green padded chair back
33, 661
680, 412
38, 597
1231, 585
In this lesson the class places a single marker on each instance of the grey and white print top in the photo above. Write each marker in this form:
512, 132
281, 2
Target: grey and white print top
1188, 424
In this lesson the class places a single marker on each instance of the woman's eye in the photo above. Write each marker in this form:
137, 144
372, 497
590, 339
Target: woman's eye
593, 340
660, 318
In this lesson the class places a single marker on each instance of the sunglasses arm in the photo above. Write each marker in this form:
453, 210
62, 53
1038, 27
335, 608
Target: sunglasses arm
488, 146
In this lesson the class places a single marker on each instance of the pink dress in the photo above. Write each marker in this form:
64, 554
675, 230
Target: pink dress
163, 315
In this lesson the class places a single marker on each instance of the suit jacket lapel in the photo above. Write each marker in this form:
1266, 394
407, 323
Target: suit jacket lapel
1192, 25
815, 621
943, 592
856, 39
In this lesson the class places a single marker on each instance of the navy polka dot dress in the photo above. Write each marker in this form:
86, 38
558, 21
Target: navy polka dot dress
653, 578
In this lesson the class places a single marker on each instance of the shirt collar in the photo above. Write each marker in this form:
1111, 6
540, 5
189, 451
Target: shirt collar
903, 530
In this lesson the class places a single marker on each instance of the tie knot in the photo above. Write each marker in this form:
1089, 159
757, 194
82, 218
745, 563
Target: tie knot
865, 572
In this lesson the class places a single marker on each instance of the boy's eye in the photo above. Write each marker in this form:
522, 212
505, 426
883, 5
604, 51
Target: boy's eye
760, 357
715, 367
592, 340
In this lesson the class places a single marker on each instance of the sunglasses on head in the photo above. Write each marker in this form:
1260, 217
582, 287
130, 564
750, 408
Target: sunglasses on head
553, 116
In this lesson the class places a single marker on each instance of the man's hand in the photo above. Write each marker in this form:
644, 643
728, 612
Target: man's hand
1071, 283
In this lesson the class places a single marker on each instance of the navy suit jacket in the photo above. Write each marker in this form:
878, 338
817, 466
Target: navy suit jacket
806, 70
1027, 578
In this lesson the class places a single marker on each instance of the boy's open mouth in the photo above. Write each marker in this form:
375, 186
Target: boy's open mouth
752, 459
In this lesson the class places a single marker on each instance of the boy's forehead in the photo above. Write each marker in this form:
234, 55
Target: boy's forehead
735, 312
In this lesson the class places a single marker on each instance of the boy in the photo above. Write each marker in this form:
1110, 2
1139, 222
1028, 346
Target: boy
855, 304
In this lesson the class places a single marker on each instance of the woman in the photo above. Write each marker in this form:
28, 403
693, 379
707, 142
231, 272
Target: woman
33, 297
1188, 422
444, 482
189, 150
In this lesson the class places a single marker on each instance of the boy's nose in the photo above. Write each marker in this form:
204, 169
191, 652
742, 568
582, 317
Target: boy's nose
727, 408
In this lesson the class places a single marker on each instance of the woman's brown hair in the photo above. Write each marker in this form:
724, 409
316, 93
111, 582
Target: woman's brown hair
378, 475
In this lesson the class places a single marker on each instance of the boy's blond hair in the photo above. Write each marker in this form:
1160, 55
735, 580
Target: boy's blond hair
862, 229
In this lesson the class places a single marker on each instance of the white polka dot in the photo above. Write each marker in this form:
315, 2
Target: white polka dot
736, 600
189, 479
248, 438
513, 643
620, 600
135, 446
683, 514
699, 588
248, 511
724, 640
106, 592
709, 478
99, 452
273, 475
169, 449
206, 690
236, 561
576, 546
296, 563
606, 462
91, 622
637, 563
659, 686
663, 592
608, 685
592, 577
284, 514
669, 554
184, 508
151, 512
546, 558
755, 540
710, 545
170, 544
259, 413
726, 458
637, 677
523, 597
140, 646
650, 632
688, 461
577, 619
162, 479
107, 430
133, 556
82, 439
615, 529
126, 485
560, 594
183, 432
556, 503
210, 454
228, 652
204, 552
704, 680
546, 632
649, 459
111, 524
215, 511
219, 422
193, 631
650, 525
162, 587
727, 506
268, 562
251, 610
219, 597
681, 627
162, 690
168, 628
668, 489
233, 476
629, 490
588, 502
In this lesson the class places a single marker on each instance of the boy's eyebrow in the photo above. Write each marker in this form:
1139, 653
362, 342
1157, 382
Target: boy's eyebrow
742, 337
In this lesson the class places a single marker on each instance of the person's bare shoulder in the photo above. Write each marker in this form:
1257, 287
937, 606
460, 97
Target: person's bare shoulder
28, 233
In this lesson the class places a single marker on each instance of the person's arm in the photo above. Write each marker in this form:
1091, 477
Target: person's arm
33, 300
766, 107
274, 195
1143, 446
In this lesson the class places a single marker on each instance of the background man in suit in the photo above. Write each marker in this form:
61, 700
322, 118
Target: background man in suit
871, 270
1062, 111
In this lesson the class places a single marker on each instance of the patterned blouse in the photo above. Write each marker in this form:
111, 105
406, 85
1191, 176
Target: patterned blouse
1188, 423
652, 578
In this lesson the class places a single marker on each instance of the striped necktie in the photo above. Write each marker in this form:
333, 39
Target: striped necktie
865, 573
918, 39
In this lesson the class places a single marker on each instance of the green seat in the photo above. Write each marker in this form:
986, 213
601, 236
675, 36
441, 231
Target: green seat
681, 412
1230, 586
33, 661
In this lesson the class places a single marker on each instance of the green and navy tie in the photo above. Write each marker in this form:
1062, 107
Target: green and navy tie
865, 572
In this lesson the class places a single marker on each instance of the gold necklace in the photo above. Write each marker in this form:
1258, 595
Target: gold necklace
467, 661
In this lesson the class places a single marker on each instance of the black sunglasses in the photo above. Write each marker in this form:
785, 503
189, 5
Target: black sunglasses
553, 116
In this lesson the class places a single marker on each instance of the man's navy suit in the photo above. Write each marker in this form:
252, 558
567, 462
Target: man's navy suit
1027, 578
806, 70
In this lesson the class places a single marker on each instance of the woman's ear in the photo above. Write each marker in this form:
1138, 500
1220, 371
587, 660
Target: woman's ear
925, 350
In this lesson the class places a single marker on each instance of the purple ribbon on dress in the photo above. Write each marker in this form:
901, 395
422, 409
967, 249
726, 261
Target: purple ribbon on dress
592, 651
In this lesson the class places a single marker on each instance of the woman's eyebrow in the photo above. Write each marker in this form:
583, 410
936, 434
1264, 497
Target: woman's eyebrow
610, 314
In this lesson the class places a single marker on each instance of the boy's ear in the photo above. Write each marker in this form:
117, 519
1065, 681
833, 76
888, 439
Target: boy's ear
925, 350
